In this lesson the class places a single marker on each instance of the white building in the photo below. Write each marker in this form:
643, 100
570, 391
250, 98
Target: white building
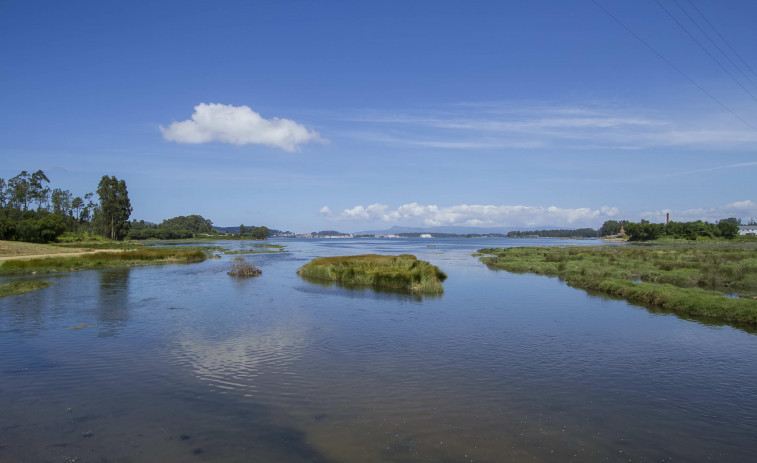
748, 230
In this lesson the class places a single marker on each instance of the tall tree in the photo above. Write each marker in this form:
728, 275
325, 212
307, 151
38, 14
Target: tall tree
3, 194
61, 201
115, 207
18, 188
37, 191
76, 204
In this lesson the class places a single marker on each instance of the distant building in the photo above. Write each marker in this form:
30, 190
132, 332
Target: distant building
748, 230
426, 235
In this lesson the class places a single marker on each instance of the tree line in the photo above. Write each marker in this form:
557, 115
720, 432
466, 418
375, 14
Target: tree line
33, 211
574, 233
30, 210
177, 228
644, 230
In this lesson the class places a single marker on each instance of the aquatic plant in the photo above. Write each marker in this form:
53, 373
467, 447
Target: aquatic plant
404, 272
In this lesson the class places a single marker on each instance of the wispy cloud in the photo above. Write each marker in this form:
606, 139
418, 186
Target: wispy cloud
474, 215
739, 165
238, 125
595, 126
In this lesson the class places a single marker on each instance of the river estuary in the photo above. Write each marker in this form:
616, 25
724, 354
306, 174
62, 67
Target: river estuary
184, 363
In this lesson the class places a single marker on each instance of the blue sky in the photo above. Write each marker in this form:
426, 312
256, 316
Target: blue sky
309, 115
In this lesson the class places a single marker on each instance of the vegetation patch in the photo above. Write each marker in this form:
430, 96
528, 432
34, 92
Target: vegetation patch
404, 272
22, 287
244, 269
102, 260
693, 279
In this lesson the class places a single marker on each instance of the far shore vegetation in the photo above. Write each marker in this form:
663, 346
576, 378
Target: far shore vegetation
22, 287
625, 230
32, 211
399, 273
102, 260
717, 280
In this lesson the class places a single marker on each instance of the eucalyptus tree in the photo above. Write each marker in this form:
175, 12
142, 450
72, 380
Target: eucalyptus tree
18, 189
37, 191
115, 207
61, 201
76, 205
3, 195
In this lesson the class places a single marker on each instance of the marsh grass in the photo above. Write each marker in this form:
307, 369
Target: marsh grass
404, 272
22, 287
102, 260
692, 279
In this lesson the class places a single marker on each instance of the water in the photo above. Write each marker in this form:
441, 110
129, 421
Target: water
184, 363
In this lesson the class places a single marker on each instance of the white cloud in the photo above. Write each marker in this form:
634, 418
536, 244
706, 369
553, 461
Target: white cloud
238, 125
475, 215
746, 209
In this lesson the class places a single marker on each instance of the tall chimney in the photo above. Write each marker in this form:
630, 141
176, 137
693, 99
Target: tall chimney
667, 218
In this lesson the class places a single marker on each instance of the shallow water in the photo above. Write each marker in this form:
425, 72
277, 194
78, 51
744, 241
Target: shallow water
184, 363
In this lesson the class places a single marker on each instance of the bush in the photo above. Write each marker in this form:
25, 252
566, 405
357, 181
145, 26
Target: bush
7, 229
244, 269
42, 230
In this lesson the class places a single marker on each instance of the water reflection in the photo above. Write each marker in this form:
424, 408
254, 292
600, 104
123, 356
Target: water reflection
504, 367
113, 301
362, 291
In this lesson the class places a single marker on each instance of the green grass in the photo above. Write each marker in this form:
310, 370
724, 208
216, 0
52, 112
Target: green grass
102, 260
403, 273
688, 278
22, 287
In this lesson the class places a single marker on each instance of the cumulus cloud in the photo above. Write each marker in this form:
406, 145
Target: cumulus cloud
474, 215
746, 209
238, 125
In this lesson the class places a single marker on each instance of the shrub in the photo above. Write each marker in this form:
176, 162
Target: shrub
244, 269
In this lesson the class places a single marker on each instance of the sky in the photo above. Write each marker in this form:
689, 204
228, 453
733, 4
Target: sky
305, 116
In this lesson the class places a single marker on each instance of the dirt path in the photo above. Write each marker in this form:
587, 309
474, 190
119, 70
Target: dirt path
59, 254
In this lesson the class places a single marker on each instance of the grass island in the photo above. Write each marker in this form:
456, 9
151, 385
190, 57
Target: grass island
399, 273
